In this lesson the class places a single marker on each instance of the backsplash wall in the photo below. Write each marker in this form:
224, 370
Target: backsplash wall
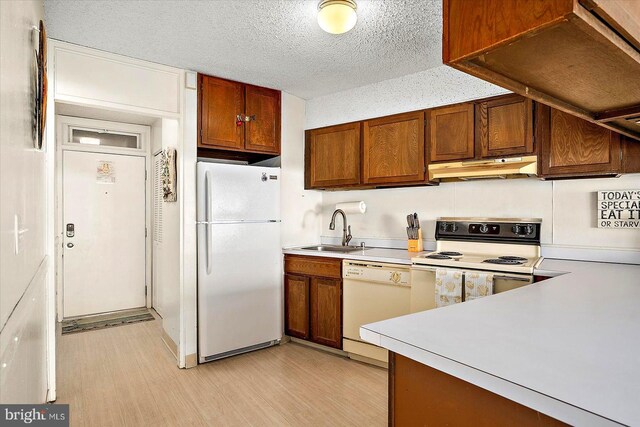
567, 208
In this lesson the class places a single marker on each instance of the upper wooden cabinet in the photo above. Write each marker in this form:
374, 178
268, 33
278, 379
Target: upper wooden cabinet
332, 156
451, 133
220, 102
263, 110
504, 127
393, 149
578, 56
572, 147
238, 117
630, 156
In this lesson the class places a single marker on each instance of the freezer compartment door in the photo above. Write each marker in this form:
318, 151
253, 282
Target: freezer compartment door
239, 286
237, 193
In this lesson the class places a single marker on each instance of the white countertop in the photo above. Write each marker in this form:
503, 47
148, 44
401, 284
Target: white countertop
568, 346
393, 256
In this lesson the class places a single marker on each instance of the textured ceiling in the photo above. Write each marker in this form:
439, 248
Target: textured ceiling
274, 43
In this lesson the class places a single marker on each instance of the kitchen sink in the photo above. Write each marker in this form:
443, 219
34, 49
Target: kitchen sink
333, 248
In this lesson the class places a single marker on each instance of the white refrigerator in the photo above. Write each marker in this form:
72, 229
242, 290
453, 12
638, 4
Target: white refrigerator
239, 259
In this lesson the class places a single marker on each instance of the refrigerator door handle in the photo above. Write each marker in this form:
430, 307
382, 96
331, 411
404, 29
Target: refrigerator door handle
207, 180
207, 196
209, 249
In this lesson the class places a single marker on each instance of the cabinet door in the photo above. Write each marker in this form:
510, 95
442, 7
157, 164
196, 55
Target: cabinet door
326, 311
393, 149
451, 133
332, 156
262, 132
296, 306
504, 126
575, 147
630, 155
220, 103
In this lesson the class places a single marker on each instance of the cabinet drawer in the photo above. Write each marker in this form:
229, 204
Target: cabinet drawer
313, 266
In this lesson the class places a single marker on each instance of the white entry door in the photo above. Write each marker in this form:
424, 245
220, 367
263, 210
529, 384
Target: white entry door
104, 232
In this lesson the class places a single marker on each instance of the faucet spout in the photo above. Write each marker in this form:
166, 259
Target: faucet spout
346, 230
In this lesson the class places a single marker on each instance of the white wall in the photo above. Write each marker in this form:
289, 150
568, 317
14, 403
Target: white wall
431, 88
166, 256
22, 193
566, 207
301, 209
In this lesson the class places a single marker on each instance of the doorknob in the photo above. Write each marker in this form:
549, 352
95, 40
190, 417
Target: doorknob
69, 245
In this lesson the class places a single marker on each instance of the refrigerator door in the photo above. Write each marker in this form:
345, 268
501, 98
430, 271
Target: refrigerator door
235, 193
239, 288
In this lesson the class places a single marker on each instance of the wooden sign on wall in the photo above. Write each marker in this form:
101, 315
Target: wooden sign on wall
619, 209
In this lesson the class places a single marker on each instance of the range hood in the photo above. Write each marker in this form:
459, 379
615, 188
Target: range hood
514, 167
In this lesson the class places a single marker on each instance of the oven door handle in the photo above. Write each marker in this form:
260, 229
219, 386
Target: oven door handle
495, 276
520, 279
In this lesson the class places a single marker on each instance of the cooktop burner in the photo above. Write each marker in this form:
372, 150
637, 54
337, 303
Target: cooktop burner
449, 253
503, 261
438, 256
512, 258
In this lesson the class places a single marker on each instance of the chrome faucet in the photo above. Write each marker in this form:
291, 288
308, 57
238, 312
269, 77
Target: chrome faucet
346, 235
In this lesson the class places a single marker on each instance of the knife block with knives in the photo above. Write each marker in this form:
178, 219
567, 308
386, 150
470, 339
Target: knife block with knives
414, 233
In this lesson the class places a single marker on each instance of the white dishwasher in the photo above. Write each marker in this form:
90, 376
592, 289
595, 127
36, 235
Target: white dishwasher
372, 292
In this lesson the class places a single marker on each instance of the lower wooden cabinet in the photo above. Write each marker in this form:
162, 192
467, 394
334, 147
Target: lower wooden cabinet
573, 147
326, 311
313, 299
296, 306
420, 395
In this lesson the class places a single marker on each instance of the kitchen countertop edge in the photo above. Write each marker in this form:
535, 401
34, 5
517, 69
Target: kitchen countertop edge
387, 255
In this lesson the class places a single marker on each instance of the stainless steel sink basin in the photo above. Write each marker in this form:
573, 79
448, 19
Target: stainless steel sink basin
333, 248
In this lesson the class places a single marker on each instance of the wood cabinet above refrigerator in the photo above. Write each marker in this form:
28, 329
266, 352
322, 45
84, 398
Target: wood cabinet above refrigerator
237, 120
578, 56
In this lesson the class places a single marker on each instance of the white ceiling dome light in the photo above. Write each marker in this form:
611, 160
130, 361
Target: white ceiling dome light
337, 16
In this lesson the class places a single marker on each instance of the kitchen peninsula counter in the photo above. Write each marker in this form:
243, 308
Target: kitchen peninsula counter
567, 347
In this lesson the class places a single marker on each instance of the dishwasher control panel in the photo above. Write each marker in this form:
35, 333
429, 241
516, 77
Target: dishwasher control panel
379, 273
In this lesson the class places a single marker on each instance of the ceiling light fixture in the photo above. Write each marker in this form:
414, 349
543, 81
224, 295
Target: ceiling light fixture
337, 16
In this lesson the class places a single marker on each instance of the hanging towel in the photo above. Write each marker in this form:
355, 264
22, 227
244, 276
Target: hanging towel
448, 287
477, 285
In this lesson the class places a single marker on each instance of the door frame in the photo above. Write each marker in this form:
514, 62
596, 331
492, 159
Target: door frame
63, 125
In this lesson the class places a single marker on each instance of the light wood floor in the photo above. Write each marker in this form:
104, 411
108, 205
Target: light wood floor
126, 376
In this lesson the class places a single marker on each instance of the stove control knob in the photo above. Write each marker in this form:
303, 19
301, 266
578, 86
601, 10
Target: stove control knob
522, 229
484, 228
